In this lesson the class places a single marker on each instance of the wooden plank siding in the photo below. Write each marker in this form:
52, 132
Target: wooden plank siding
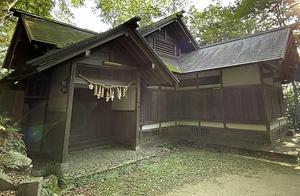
158, 106
275, 104
241, 105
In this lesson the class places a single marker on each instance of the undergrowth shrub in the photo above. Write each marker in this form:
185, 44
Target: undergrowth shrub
10, 138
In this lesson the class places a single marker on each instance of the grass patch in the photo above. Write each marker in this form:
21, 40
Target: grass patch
173, 168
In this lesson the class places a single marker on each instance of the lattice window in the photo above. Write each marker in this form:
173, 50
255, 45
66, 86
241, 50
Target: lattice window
165, 48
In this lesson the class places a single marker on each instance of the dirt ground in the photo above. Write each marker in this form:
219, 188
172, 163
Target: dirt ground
266, 184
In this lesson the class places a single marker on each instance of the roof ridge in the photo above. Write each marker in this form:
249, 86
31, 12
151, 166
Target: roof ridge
18, 13
174, 16
248, 36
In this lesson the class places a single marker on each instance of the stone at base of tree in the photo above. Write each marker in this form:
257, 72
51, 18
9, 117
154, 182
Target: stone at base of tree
15, 161
31, 187
6, 183
291, 132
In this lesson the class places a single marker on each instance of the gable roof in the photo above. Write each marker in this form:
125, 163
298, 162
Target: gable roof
262, 47
175, 21
35, 35
160, 75
51, 32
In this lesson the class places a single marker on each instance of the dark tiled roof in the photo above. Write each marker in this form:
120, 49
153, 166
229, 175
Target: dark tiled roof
74, 49
55, 57
260, 47
51, 32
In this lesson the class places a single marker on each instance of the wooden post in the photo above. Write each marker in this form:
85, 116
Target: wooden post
263, 91
222, 99
137, 108
71, 87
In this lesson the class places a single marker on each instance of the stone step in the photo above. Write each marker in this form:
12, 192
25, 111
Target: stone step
92, 143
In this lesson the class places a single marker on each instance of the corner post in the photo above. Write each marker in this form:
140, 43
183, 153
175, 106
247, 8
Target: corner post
71, 86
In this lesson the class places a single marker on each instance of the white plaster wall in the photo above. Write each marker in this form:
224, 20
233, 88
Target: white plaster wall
212, 124
168, 124
274, 125
247, 126
189, 123
156, 125
150, 126
241, 75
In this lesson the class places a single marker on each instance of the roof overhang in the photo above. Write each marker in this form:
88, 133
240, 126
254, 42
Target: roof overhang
153, 75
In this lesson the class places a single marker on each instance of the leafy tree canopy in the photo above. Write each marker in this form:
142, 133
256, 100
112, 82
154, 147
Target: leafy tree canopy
218, 23
114, 12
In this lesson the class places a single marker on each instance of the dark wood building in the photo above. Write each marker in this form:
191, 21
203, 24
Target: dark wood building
73, 89
229, 90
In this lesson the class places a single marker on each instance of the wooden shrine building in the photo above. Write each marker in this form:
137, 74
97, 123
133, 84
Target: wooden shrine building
73, 89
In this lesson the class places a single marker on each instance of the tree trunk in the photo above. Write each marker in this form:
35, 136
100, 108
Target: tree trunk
296, 100
5, 6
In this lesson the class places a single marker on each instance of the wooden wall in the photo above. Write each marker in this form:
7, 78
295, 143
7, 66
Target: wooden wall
158, 106
244, 105
56, 114
275, 104
232, 102
124, 119
241, 105
12, 102
121, 124
90, 120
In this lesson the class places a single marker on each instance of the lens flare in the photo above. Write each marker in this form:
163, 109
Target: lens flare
35, 134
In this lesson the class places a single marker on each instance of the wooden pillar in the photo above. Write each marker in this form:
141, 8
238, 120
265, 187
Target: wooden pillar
222, 98
137, 107
263, 91
70, 91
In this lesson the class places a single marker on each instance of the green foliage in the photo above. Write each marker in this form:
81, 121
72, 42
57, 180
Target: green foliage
115, 12
272, 13
218, 23
10, 138
51, 168
290, 105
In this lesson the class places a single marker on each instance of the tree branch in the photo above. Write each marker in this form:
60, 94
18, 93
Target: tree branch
5, 6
